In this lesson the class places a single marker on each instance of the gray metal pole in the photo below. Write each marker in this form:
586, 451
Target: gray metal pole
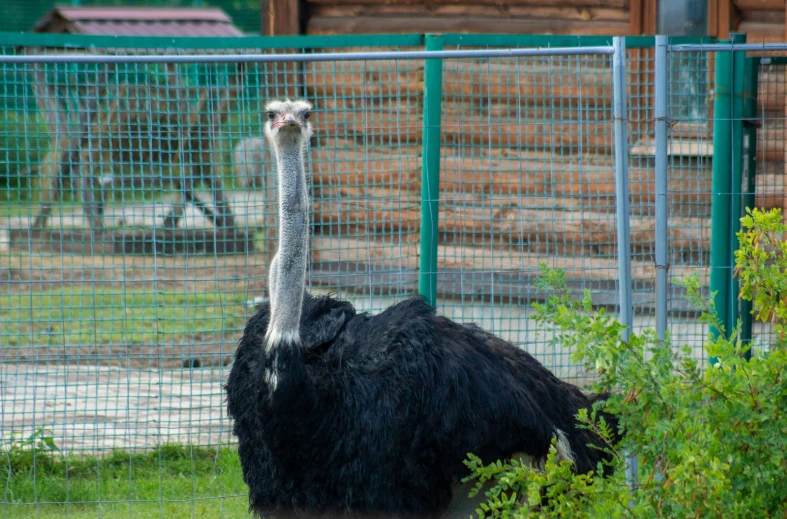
661, 79
328, 56
728, 47
620, 115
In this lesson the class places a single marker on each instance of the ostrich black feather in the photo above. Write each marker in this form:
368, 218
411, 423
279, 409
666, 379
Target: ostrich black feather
386, 408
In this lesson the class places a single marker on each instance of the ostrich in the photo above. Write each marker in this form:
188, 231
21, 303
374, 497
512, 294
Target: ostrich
344, 413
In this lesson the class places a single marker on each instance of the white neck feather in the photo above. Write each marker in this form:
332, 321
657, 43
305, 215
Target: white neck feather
288, 270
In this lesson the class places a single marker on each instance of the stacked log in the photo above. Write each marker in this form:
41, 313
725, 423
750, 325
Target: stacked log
519, 16
526, 168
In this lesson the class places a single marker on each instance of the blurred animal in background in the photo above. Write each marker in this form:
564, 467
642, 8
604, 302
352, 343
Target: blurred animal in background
248, 161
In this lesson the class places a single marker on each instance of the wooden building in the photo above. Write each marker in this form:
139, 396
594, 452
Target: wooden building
761, 20
484, 16
580, 226
138, 21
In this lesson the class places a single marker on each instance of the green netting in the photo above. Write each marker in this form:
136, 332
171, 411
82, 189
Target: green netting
528, 177
140, 277
750, 108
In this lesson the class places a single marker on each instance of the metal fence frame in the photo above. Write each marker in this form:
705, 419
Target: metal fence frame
441, 46
433, 55
728, 105
733, 181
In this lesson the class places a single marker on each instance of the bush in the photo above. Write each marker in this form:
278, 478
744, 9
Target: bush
711, 441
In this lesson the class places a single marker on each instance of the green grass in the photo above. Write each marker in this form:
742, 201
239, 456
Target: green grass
171, 482
83, 315
16, 209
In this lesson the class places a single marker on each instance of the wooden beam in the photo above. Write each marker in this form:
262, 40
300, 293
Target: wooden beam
536, 3
635, 17
775, 17
382, 256
281, 17
650, 16
406, 24
492, 11
784, 140
759, 32
723, 18
760, 5
643, 15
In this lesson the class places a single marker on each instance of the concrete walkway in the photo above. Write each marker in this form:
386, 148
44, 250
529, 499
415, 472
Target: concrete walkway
96, 409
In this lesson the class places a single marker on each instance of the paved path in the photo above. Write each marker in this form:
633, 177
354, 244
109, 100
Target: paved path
96, 409
248, 207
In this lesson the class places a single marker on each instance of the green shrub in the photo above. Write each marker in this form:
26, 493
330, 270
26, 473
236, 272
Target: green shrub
761, 265
711, 441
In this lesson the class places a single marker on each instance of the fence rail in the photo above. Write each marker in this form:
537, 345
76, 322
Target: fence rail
136, 222
329, 56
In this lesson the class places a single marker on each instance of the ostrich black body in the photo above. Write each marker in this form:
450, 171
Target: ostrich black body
374, 415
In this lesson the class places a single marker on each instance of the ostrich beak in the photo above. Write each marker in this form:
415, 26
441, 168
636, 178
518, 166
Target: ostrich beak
287, 121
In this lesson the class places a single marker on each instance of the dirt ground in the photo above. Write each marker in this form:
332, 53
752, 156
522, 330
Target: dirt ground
42, 270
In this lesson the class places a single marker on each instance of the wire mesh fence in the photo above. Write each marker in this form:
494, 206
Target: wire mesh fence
690, 151
764, 154
527, 177
137, 223
739, 131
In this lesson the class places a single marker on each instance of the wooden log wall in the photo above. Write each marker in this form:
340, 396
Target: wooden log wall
763, 21
604, 17
484, 16
526, 165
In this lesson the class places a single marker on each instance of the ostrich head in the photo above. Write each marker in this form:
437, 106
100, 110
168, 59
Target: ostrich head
288, 123
288, 131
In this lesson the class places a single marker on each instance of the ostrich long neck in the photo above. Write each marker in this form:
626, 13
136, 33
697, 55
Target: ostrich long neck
290, 264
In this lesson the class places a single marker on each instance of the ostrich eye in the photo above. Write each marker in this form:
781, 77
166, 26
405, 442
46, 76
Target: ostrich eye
271, 115
306, 115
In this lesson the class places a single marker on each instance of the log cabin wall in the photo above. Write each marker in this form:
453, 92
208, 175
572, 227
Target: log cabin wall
588, 17
760, 20
763, 21
365, 104
539, 184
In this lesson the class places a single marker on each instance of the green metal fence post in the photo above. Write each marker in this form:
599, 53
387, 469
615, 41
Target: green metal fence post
738, 95
720, 186
430, 170
749, 173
